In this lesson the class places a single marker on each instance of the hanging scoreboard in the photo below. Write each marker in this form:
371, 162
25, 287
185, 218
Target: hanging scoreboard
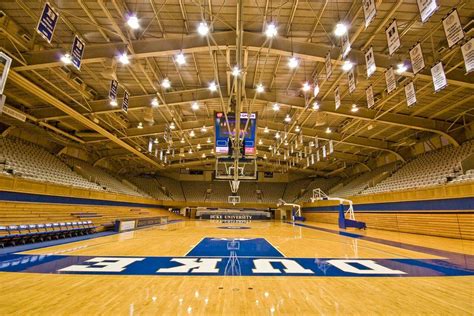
224, 132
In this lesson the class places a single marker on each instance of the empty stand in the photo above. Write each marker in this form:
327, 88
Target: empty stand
433, 168
27, 160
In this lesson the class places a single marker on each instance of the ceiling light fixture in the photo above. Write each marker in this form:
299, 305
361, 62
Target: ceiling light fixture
113, 102
123, 59
208, 140
182, 140
328, 130
154, 102
260, 142
287, 118
172, 126
203, 28
191, 133
260, 88
212, 87
66, 59
155, 141
315, 106
203, 129
347, 65
236, 71
297, 128
203, 155
354, 108
271, 30
293, 62
194, 106
277, 135
133, 22
198, 146
140, 125
266, 130
306, 86
276, 107
180, 59
401, 68
166, 83
340, 29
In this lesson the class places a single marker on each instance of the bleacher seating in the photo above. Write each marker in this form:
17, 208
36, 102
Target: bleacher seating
150, 186
467, 177
104, 179
30, 161
355, 185
12, 235
432, 168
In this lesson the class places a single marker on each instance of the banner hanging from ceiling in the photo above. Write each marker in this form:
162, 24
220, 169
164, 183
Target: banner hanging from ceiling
47, 22
453, 28
468, 55
5, 63
328, 65
77, 51
410, 94
351, 80
393, 39
370, 62
439, 77
345, 44
126, 96
369, 92
427, 9
337, 98
113, 90
390, 80
369, 11
417, 60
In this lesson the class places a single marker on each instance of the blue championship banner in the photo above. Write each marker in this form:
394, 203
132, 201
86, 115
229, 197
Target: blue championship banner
126, 96
47, 22
77, 51
113, 90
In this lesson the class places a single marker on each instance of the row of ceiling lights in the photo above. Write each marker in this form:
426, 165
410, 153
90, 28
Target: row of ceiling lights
270, 31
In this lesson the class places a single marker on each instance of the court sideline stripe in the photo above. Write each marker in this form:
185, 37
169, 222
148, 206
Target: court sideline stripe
455, 257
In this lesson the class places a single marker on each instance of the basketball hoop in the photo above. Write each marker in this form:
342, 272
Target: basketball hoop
233, 199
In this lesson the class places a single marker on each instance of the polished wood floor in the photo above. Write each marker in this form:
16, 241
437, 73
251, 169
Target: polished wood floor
54, 294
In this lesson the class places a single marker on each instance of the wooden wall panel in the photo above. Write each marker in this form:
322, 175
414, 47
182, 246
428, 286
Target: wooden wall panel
452, 225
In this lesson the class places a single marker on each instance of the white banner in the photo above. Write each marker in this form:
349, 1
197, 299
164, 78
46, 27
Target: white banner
453, 28
328, 64
370, 62
331, 147
5, 63
468, 55
351, 80
317, 156
427, 8
345, 44
337, 98
369, 11
369, 92
439, 77
390, 80
393, 40
312, 159
417, 60
324, 151
410, 93
316, 88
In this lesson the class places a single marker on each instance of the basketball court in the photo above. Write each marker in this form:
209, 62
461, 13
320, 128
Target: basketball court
251, 268
244, 157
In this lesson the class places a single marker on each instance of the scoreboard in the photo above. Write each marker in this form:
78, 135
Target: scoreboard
223, 132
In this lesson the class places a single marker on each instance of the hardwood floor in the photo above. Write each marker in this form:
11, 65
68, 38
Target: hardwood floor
30, 292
